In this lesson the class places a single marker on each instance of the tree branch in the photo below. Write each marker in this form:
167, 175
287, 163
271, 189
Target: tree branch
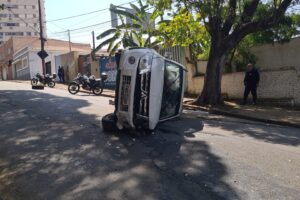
251, 27
230, 17
249, 10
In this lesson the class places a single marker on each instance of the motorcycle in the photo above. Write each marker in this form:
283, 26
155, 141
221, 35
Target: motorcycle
43, 79
89, 83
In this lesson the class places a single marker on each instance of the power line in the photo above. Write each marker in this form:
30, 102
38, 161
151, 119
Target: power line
88, 13
90, 26
83, 21
93, 25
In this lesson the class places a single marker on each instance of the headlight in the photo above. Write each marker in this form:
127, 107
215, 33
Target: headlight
131, 60
145, 63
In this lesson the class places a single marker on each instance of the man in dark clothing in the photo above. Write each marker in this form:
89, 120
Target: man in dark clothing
251, 81
59, 74
63, 74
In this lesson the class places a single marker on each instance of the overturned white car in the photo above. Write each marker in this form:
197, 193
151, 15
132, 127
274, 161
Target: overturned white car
149, 90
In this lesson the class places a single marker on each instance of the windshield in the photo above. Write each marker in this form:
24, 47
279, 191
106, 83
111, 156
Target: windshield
173, 80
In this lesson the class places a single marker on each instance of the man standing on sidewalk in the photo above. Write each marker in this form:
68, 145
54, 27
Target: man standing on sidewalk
251, 81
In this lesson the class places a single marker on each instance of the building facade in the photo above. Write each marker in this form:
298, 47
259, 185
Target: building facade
20, 18
19, 59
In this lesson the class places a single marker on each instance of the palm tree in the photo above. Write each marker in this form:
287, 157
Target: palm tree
141, 33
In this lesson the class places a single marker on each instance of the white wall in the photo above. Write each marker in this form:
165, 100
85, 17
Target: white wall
35, 62
279, 84
278, 55
4, 73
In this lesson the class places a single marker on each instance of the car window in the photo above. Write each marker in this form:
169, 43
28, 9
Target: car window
172, 91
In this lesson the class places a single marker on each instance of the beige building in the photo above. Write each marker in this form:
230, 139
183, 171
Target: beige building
19, 59
20, 18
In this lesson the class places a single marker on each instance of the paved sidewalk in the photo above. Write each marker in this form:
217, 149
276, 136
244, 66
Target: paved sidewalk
64, 86
268, 114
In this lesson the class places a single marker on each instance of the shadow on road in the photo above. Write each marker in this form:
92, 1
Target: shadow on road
50, 150
268, 133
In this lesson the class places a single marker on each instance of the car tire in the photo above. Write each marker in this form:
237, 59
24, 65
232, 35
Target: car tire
109, 123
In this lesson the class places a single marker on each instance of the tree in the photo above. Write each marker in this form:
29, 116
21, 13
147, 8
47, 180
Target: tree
241, 54
185, 30
140, 33
228, 22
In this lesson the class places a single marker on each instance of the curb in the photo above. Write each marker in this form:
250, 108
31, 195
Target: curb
241, 116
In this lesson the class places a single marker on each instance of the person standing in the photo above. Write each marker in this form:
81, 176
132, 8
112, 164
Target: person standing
251, 82
59, 74
63, 74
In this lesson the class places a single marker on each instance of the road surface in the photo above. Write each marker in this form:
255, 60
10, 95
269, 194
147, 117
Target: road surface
52, 147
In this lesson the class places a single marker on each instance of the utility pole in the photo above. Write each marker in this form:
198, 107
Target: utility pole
42, 36
93, 35
69, 35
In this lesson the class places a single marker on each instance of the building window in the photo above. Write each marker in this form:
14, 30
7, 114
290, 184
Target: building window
33, 7
28, 33
12, 24
14, 34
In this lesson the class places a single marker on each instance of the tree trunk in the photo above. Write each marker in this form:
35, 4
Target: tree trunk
211, 93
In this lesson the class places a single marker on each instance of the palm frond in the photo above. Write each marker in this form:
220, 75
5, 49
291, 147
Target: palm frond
125, 13
106, 33
114, 49
147, 42
133, 6
155, 43
129, 26
106, 42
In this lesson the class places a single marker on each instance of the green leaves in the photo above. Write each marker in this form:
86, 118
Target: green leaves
106, 33
185, 30
139, 33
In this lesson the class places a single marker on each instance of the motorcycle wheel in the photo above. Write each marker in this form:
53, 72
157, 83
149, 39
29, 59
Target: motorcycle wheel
97, 90
73, 88
51, 84
34, 81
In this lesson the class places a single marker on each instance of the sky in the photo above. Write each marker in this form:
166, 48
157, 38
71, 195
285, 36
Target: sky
57, 9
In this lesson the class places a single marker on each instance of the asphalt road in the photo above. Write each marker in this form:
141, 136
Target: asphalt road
52, 147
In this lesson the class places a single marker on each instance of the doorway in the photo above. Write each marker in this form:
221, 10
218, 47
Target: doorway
48, 68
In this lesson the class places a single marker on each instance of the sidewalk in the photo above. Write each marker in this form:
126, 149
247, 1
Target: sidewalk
64, 86
268, 114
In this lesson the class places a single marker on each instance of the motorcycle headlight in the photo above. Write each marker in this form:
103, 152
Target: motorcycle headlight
145, 63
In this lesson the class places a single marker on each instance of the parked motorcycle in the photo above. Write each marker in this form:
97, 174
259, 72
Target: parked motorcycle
43, 79
89, 83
